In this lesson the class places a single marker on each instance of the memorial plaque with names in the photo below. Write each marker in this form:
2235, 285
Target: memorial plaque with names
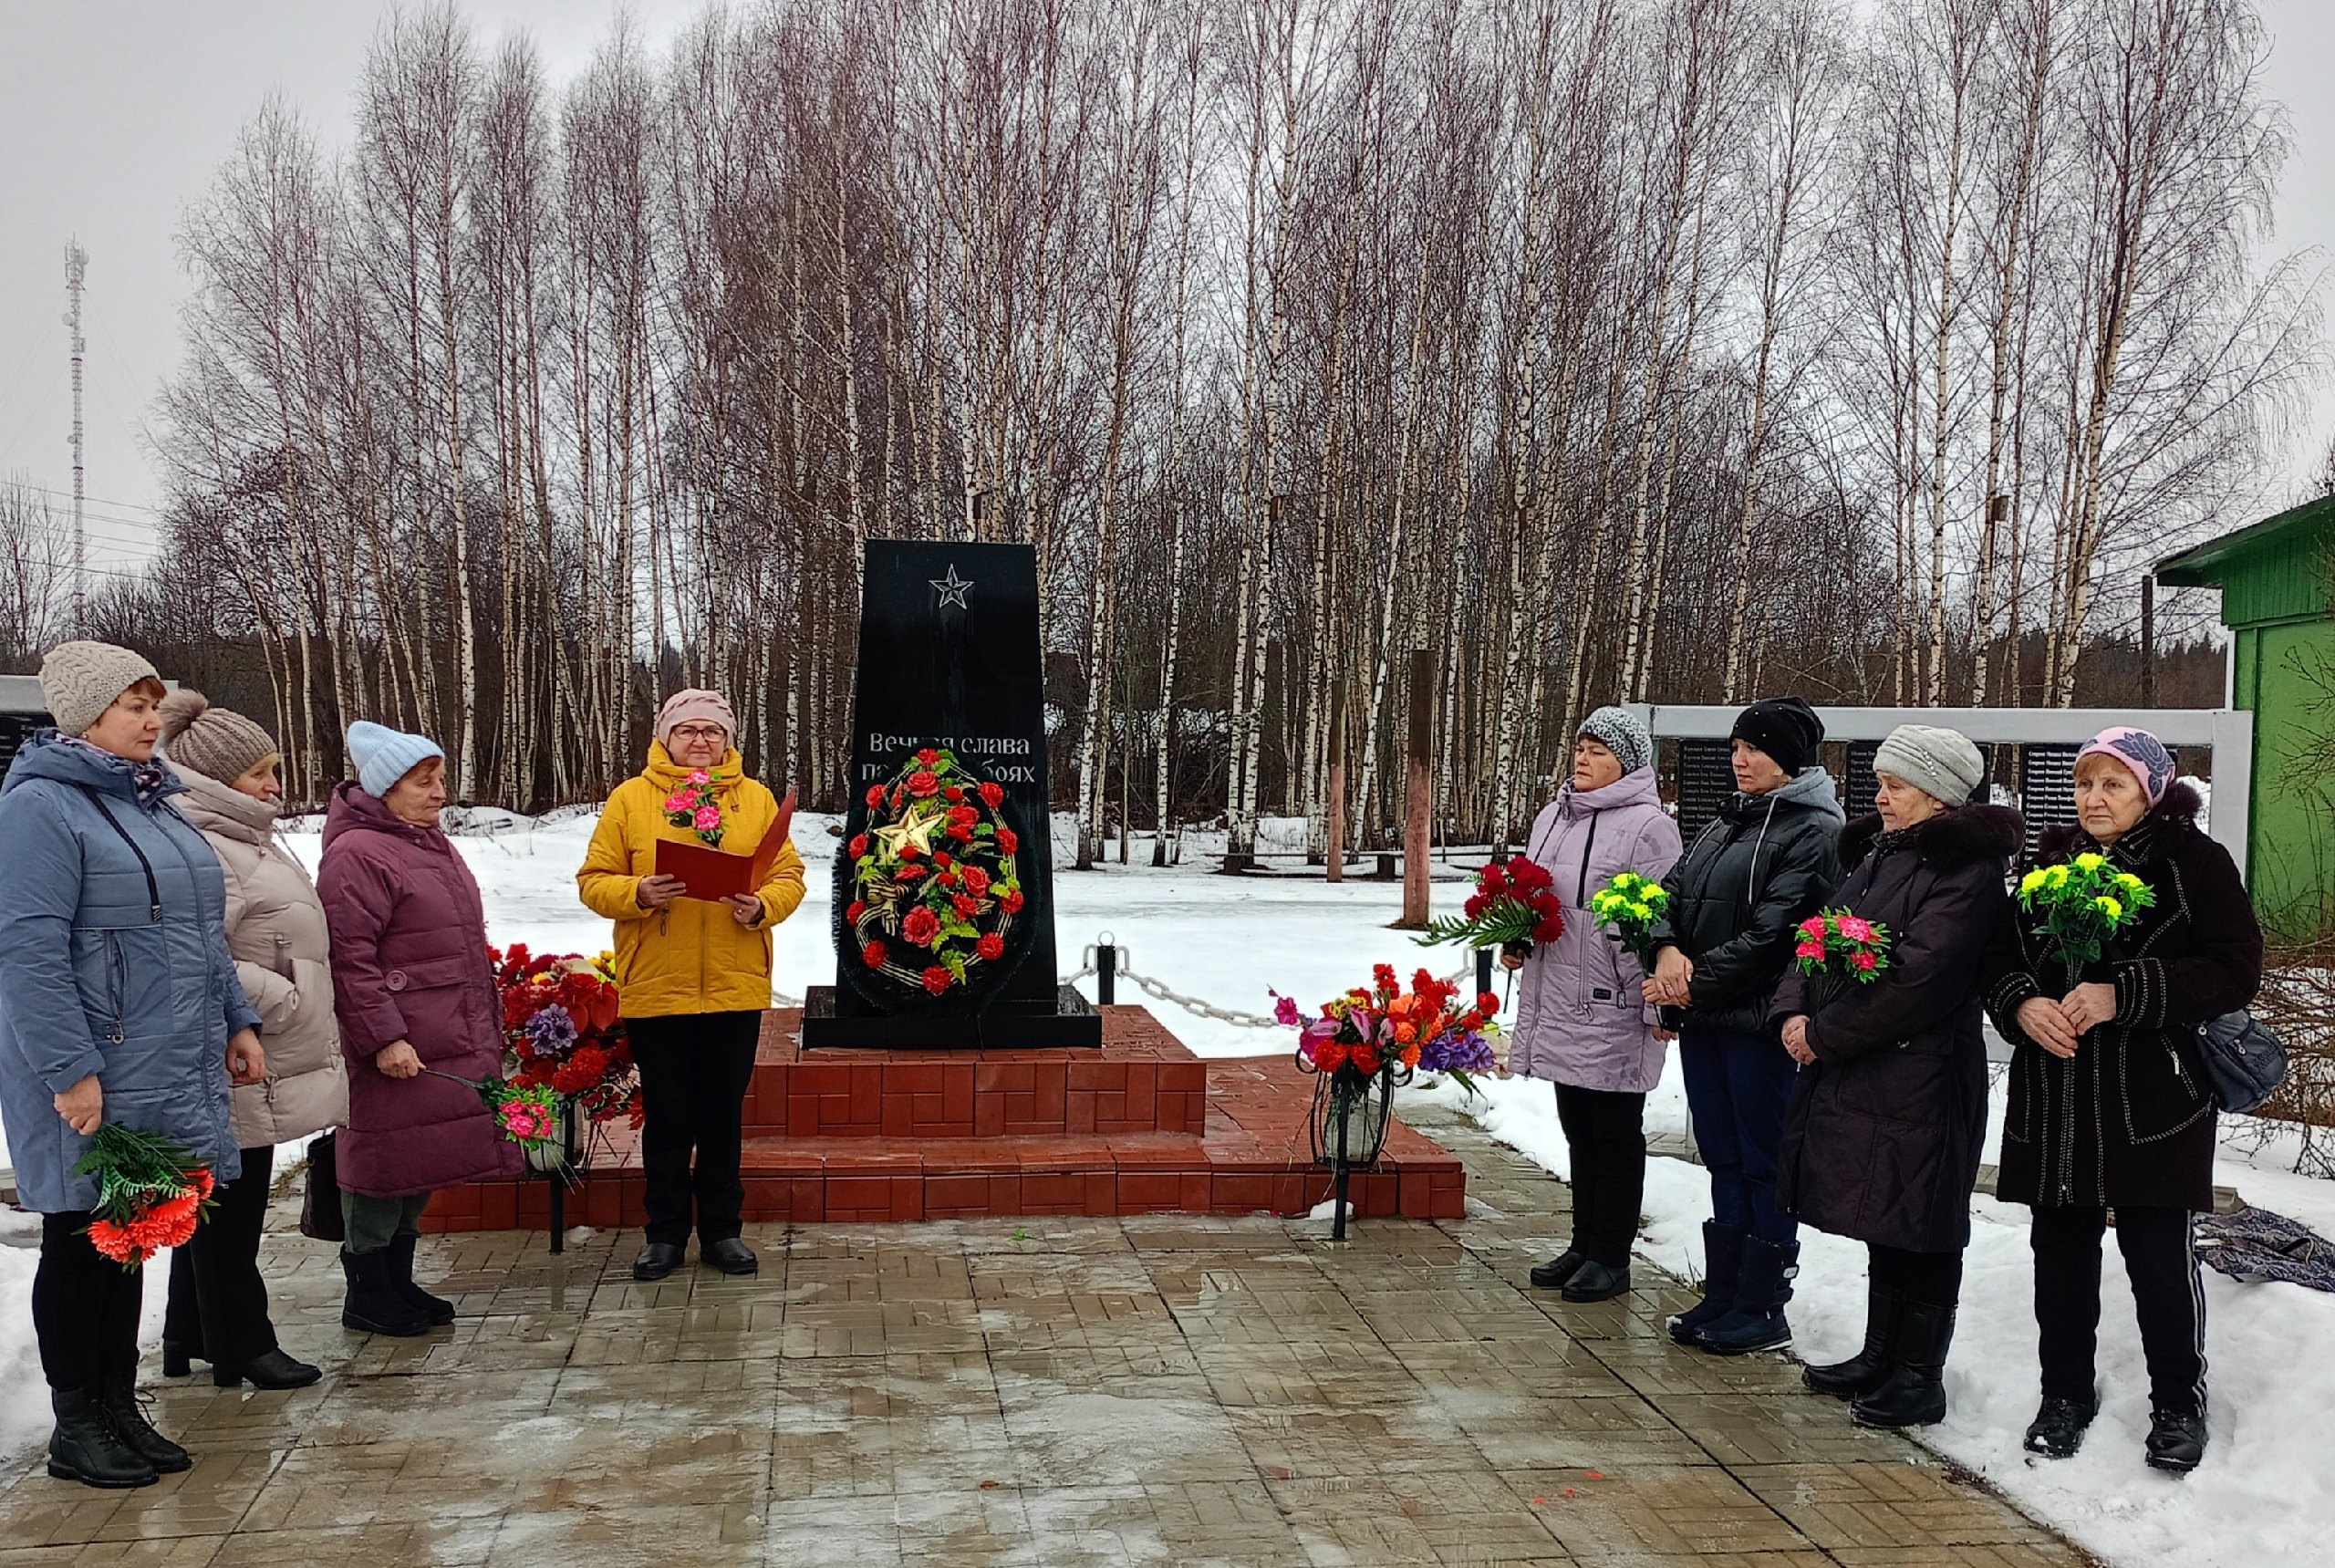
1705, 783
948, 658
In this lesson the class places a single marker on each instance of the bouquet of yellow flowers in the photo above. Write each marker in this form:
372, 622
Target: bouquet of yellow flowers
1628, 905
2081, 903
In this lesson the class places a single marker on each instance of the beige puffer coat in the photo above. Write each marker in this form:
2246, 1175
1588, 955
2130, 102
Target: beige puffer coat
275, 930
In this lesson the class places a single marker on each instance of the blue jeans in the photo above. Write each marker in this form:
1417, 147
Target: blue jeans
1738, 1087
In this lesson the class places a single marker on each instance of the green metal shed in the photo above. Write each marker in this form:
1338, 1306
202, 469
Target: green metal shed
2278, 583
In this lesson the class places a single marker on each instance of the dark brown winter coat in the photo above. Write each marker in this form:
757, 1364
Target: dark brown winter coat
1887, 1125
2128, 1120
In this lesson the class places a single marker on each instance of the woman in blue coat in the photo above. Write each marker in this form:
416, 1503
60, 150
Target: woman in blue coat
118, 1003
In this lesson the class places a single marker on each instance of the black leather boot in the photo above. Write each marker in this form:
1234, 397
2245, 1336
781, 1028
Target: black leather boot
2176, 1441
84, 1446
373, 1305
437, 1308
1861, 1373
269, 1369
1553, 1274
2058, 1429
1913, 1393
123, 1408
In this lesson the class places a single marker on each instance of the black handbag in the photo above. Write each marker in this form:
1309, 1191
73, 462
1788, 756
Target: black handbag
2245, 1062
320, 1216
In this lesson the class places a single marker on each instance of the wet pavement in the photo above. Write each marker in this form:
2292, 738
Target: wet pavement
1157, 1389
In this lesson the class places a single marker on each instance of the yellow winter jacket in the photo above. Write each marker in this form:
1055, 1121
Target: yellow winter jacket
690, 956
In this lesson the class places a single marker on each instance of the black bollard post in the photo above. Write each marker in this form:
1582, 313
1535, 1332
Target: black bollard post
558, 1213
1483, 970
1338, 1167
1107, 973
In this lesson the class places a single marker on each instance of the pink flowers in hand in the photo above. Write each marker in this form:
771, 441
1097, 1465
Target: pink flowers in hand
524, 1121
706, 817
1843, 945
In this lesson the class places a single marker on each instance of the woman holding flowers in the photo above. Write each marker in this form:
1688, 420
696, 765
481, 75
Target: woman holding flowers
1582, 1021
692, 976
2131, 931
119, 1007
275, 930
1762, 866
420, 1021
1881, 1010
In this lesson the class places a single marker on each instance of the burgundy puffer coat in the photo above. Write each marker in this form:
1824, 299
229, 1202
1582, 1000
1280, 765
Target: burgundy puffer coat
408, 963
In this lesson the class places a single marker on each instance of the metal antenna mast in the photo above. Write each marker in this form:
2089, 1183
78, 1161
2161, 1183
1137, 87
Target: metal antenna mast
76, 265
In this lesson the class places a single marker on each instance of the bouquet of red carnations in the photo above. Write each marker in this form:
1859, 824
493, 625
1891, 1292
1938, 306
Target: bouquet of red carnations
1515, 904
151, 1193
1837, 946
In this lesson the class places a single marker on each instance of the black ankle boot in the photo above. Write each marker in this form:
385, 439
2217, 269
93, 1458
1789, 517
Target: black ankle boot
122, 1407
1913, 1392
84, 1446
269, 1369
373, 1305
437, 1308
2058, 1429
2177, 1440
1861, 1373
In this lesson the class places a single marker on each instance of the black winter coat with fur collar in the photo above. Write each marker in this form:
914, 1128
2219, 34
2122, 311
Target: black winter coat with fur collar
2128, 1120
1887, 1125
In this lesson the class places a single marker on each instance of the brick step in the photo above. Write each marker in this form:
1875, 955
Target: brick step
1238, 1147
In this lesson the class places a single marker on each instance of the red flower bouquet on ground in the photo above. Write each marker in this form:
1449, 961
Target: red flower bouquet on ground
563, 1031
151, 1193
1515, 904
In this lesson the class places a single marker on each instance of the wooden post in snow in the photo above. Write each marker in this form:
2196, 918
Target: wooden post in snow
1334, 835
1418, 793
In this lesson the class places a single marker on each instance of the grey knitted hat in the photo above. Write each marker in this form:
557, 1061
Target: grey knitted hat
217, 743
1941, 763
1619, 732
80, 680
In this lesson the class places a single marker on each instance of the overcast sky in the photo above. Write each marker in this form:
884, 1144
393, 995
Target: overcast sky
114, 114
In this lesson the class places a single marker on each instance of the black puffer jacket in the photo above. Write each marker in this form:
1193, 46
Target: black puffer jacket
1887, 1125
1766, 863
2128, 1119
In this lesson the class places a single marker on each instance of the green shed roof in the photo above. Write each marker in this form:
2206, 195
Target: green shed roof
2281, 568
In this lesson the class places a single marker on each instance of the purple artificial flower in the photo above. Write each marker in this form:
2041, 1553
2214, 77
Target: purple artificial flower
551, 1031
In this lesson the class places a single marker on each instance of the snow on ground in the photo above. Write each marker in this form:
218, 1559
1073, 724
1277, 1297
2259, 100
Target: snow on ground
2267, 1493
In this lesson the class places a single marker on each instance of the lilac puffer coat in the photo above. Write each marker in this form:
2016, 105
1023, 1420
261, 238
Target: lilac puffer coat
1580, 1017
408, 963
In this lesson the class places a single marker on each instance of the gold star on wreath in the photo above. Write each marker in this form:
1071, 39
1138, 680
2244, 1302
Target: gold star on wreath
916, 827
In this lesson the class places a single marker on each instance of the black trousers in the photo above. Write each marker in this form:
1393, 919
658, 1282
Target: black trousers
218, 1306
1934, 1278
1605, 1133
85, 1307
2160, 1257
694, 1069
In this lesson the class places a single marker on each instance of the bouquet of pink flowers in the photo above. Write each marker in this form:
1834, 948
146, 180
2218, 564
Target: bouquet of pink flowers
693, 806
1839, 945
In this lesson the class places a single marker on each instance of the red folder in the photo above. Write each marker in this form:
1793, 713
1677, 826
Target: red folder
714, 874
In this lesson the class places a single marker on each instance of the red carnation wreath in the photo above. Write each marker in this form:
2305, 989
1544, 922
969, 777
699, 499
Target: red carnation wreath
935, 884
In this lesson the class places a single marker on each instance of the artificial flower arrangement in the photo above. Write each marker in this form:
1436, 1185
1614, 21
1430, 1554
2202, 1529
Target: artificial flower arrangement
526, 1114
1839, 947
151, 1193
1382, 1027
1629, 906
935, 879
563, 1031
2081, 904
695, 806
1515, 905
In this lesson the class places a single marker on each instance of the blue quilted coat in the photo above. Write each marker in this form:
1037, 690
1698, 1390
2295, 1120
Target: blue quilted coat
113, 961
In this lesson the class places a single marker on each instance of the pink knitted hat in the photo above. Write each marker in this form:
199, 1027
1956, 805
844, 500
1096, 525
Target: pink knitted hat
694, 704
2143, 754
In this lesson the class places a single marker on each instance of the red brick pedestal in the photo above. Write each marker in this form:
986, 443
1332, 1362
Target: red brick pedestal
1141, 1126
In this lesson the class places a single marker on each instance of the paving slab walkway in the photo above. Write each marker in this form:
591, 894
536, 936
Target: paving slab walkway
1161, 1389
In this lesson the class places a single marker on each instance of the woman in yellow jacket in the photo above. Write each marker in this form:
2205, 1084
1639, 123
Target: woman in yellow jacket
693, 974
